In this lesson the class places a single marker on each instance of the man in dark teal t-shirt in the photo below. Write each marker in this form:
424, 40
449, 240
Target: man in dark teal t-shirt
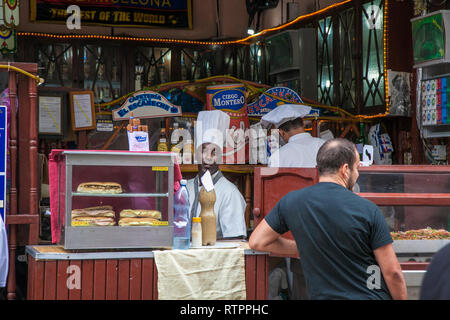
343, 240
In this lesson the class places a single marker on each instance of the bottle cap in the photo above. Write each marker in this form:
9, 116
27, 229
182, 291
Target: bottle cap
196, 219
183, 182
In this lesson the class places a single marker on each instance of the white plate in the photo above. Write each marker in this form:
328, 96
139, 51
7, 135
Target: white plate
219, 245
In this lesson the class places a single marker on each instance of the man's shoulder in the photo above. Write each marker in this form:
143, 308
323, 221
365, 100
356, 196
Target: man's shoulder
300, 192
319, 141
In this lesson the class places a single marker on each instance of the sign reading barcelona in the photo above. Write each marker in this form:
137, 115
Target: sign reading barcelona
118, 13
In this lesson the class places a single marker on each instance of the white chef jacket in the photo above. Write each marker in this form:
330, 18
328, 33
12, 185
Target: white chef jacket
229, 208
3, 254
300, 151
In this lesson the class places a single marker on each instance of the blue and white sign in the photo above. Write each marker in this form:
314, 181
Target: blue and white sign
3, 144
266, 103
146, 104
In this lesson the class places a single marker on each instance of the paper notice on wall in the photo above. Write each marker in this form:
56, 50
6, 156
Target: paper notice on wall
50, 115
82, 109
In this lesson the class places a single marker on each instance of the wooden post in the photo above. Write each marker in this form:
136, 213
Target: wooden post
248, 198
33, 237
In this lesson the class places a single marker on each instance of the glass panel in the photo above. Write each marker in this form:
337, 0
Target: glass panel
241, 63
101, 71
404, 218
257, 67
152, 66
372, 45
55, 64
325, 61
140, 188
347, 80
196, 65
404, 182
228, 60
280, 51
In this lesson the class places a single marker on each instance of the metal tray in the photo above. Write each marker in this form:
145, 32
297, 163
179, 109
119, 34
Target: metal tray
419, 246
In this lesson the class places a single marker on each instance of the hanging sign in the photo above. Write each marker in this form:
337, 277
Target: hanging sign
266, 103
146, 104
117, 13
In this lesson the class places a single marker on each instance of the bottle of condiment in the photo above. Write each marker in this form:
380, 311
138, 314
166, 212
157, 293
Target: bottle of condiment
196, 232
174, 145
190, 130
188, 152
361, 140
207, 201
162, 142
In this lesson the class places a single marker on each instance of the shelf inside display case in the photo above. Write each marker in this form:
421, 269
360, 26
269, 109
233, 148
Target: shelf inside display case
120, 195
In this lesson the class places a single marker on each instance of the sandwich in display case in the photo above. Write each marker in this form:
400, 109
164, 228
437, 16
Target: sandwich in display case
112, 199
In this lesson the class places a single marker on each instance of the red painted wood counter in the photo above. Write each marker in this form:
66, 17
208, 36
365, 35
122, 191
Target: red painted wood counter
117, 275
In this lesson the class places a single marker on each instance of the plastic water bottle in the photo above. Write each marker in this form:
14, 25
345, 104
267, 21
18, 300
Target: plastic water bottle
181, 219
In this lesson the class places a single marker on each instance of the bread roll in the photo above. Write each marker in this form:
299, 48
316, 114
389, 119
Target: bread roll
136, 222
100, 187
100, 211
135, 213
93, 221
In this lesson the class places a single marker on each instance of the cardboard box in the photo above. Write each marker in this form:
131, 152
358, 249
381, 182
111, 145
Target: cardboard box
431, 87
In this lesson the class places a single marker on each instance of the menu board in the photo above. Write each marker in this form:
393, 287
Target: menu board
50, 115
82, 110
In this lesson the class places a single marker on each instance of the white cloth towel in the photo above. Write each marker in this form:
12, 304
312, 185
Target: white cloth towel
201, 274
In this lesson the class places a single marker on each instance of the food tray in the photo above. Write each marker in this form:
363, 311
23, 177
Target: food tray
419, 246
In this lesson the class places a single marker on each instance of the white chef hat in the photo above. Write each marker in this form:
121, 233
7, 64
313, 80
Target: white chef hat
211, 127
284, 113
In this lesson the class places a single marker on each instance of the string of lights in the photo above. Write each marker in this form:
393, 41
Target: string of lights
178, 41
246, 40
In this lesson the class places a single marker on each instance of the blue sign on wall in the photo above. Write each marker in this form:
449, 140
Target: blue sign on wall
3, 142
266, 103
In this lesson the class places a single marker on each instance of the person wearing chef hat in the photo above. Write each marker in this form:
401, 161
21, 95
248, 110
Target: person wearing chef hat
301, 148
230, 205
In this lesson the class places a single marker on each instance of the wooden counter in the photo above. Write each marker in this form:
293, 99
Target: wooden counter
116, 275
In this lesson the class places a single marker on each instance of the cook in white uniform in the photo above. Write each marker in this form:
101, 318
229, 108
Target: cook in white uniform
299, 151
301, 148
230, 204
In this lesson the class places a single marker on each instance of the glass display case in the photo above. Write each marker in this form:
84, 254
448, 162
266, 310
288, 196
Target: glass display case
117, 199
415, 201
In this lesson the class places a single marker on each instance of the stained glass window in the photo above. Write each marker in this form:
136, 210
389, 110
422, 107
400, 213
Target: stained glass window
102, 71
347, 63
372, 54
152, 66
55, 64
325, 61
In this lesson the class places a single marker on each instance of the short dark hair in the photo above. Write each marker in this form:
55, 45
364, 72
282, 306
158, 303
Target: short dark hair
292, 124
335, 153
